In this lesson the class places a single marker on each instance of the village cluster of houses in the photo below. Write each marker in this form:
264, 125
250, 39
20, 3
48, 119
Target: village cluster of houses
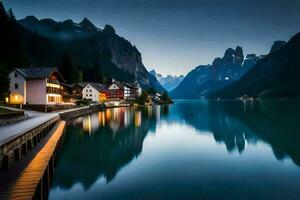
46, 86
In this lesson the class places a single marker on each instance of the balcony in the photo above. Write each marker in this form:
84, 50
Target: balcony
53, 81
53, 90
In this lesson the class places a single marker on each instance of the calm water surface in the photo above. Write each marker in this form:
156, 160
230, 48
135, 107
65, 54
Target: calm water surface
190, 150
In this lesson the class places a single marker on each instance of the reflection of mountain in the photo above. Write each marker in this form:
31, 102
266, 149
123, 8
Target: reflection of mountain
275, 122
236, 123
103, 143
229, 130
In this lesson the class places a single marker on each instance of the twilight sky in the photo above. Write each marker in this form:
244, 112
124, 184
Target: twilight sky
174, 36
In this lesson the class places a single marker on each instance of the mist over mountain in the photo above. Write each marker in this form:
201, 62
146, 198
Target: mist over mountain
204, 80
95, 54
275, 76
122, 53
169, 82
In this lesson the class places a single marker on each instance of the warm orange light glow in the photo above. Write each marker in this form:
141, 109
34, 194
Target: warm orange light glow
102, 97
137, 118
108, 114
34, 171
87, 124
6, 99
102, 118
54, 85
16, 99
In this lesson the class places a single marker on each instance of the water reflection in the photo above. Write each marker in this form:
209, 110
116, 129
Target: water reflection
98, 146
237, 123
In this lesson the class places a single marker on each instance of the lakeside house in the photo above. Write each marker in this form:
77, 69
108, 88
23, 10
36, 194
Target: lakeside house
123, 91
37, 86
131, 91
46, 86
116, 91
95, 92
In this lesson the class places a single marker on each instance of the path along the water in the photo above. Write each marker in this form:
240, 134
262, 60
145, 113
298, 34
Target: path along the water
35, 119
33, 175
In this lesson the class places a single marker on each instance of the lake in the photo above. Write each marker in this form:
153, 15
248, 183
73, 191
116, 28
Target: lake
188, 150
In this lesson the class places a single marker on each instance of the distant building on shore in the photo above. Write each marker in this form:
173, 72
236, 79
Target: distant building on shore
46, 86
116, 91
123, 91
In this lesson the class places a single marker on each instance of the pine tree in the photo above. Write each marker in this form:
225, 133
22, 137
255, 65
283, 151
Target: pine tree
11, 15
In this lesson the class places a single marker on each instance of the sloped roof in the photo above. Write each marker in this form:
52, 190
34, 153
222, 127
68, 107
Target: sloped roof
130, 85
82, 84
99, 87
32, 72
119, 84
67, 85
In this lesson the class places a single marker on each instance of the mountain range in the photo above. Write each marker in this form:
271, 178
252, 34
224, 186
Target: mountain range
205, 80
169, 82
275, 76
94, 54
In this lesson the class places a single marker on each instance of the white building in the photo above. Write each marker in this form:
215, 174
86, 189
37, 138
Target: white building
94, 92
36, 86
130, 91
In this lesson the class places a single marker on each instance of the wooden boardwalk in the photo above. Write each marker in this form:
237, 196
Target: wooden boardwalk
34, 181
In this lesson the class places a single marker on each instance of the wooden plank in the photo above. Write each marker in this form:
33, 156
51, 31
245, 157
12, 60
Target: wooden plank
26, 185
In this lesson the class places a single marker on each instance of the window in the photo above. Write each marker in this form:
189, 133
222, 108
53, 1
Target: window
90, 95
16, 74
90, 90
87, 90
86, 95
16, 86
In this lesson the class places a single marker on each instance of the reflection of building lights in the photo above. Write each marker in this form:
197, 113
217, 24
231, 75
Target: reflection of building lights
101, 118
138, 118
114, 125
127, 117
87, 124
108, 114
149, 111
158, 108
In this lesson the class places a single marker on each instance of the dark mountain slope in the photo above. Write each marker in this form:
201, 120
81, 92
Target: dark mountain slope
90, 46
96, 55
205, 80
275, 76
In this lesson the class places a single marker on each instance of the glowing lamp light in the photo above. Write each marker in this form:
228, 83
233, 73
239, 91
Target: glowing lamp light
16, 97
6, 99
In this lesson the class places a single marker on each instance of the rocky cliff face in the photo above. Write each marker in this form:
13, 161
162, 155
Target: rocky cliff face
274, 76
277, 46
207, 79
94, 49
